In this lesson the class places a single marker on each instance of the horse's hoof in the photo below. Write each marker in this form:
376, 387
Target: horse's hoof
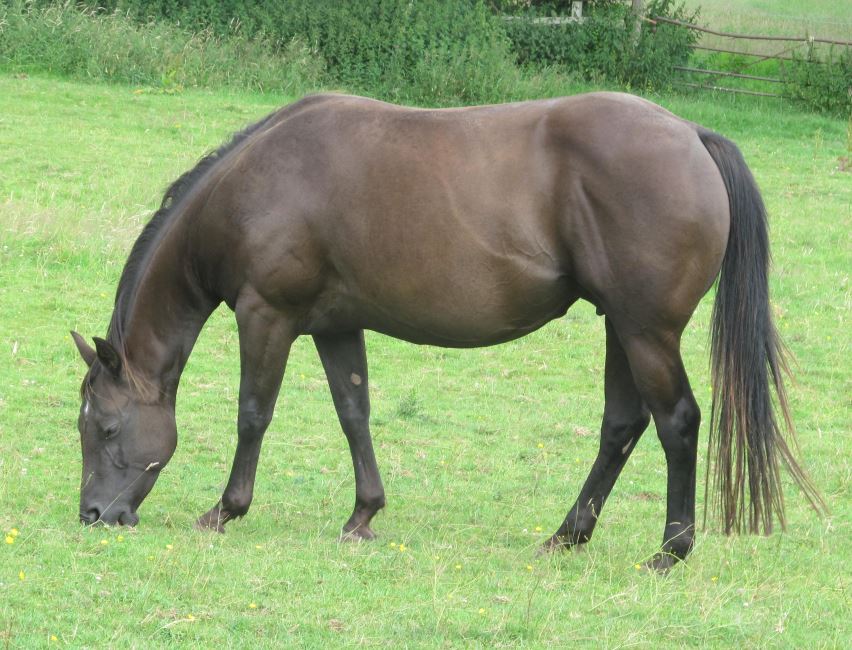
662, 562
554, 545
211, 521
359, 534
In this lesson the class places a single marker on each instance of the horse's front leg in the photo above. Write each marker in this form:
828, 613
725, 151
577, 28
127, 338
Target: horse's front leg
265, 339
345, 361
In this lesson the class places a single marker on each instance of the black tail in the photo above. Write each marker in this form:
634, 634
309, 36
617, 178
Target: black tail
747, 355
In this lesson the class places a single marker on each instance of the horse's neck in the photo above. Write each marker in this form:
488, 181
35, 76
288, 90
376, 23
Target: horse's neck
168, 311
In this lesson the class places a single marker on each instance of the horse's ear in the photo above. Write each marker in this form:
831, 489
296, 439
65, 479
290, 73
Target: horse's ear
109, 357
85, 350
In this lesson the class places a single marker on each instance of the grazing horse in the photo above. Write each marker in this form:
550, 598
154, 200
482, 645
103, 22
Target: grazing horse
458, 227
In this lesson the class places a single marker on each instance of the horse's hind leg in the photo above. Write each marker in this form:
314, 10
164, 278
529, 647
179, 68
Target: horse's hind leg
345, 361
625, 419
661, 379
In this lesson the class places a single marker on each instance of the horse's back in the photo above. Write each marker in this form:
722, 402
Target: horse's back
474, 225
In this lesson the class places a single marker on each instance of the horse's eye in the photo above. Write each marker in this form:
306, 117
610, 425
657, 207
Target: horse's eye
111, 431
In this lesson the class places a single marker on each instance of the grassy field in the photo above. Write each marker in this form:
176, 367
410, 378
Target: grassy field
482, 451
820, 18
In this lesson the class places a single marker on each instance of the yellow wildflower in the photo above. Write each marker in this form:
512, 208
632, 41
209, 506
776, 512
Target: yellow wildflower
529, 567
10, 539
14, 532
252, 606
22, 576
104, 542
458, 566
53, 637
169, 547
402, 548
637, 566
120, 538
190, 617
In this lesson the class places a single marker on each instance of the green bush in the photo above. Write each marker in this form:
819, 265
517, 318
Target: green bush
426, 51
608, 44
84, 43
397, 49
821, 84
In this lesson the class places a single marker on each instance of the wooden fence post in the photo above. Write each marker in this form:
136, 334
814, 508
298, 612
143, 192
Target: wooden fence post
577, 10
637, 16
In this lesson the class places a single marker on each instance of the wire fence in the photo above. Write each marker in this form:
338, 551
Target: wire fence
790, 45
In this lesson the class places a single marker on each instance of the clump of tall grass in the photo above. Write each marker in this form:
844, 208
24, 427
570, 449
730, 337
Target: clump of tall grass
84, 43
431, 53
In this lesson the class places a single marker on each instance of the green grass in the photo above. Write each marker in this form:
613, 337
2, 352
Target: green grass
820, 18
482, 451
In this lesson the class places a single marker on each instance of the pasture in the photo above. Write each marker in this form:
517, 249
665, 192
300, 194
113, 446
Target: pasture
482, 451
821, 18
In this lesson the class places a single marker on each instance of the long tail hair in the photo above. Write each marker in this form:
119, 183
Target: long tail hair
746, 436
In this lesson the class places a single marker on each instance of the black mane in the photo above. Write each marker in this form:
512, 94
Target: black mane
146, 241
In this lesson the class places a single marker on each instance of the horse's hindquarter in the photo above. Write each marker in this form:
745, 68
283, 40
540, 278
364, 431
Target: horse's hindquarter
645, 211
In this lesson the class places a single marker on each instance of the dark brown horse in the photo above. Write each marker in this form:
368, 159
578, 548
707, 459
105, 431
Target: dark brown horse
460, 227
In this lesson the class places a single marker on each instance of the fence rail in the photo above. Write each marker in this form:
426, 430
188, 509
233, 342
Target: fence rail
725, 73
800, 39
740, 91
762, 56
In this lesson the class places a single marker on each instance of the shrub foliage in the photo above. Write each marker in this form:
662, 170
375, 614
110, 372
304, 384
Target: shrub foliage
822, 84
85, 43
419, 51
608, 44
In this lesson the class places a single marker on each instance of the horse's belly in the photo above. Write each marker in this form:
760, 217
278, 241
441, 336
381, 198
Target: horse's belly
467, 314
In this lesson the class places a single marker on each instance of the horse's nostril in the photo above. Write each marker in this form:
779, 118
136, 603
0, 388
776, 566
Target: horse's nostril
89, 516
128, 519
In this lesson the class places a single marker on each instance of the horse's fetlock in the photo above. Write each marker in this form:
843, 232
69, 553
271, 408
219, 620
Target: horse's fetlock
371, 504
236, 505
679, 540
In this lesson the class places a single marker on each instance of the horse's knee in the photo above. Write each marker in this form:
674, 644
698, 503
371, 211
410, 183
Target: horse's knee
252, 422
618, 432
353, 412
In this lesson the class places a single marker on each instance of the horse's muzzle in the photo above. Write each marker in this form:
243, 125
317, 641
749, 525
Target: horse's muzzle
94, 516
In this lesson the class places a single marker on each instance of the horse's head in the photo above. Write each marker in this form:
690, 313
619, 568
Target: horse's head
126, 439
